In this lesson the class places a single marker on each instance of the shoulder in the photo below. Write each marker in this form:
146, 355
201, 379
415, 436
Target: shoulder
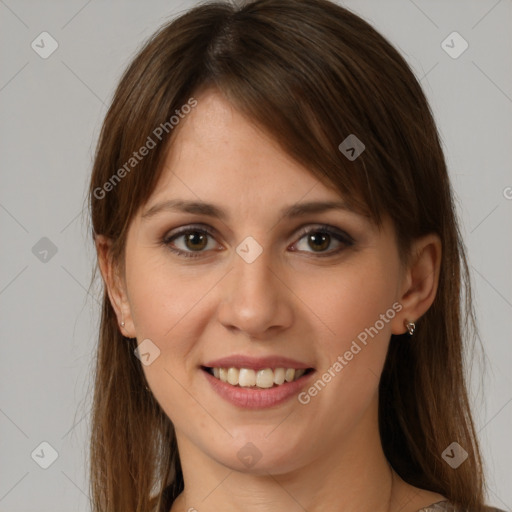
447, 506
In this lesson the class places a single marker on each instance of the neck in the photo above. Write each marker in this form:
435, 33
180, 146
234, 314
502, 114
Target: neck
352, 476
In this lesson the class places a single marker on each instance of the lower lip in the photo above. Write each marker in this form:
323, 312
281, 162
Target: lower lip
257, 398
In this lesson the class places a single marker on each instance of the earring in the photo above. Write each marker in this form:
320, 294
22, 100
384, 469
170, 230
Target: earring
122, 324
410, 326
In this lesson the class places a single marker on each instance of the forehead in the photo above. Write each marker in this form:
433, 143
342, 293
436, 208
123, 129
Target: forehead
219, 153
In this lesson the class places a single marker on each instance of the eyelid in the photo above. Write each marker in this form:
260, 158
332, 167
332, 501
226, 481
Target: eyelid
313, 228
339, 234
203, 228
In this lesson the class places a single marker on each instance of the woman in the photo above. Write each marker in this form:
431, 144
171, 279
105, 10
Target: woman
283, 271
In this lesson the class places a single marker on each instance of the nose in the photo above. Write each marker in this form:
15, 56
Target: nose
255, 298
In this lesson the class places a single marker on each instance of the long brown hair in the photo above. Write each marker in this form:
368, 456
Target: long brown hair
310, 73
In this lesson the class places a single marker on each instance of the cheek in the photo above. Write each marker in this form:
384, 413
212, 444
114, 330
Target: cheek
163, 297
171, 306
168, 309
353, 300
358, 309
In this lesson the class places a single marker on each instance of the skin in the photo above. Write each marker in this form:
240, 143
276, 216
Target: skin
325, 455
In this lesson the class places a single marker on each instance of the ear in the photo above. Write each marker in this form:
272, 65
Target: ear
420, 281
115, 286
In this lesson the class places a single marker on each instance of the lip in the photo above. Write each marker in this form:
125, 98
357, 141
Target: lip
257, 398
256, 363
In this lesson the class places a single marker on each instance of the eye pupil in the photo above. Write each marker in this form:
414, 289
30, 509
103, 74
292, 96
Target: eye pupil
196, 237
321, 238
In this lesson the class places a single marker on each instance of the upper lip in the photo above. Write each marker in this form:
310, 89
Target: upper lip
256, 363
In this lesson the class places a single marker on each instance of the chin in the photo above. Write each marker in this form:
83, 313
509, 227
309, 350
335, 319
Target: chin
257, 454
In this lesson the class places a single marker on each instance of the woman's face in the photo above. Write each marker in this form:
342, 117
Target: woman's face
259, 292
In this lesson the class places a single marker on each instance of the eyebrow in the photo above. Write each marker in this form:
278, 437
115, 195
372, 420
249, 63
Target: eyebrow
211, 210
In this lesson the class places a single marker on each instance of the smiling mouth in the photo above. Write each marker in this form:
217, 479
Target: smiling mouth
258, 379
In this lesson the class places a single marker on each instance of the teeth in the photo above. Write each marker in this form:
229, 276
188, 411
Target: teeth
233, 376
299, 373
289, 375
279, 376
247, 378
266, 378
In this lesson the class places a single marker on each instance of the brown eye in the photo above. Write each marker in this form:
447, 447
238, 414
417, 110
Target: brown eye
320, 239
196, 240
190, 242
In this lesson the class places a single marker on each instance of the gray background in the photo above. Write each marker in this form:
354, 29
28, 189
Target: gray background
51, 113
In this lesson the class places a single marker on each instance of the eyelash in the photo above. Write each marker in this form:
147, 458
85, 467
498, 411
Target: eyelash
342, 237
